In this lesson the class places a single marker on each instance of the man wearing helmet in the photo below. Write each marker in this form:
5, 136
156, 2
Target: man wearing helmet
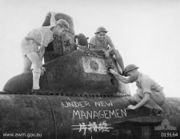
33, 46
101, 41
149, 93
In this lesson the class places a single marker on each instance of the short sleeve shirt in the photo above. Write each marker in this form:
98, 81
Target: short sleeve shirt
101, 44
42, 35
147, 85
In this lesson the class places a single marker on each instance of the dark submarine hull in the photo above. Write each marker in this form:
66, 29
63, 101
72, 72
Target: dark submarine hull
75, 73
78, 101
55, 117
71, 117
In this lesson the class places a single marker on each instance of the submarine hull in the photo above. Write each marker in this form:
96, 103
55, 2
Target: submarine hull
78, 99
55, 117
76, 72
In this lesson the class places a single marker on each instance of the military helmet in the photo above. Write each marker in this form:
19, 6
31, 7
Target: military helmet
101, 29
63, 23
129, 68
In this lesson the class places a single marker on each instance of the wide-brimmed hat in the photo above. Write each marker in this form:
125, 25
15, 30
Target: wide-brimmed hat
129, 68
101, 29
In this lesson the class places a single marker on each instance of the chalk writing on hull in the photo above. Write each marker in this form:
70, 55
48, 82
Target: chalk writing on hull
75, 104
100, 114
92, 127
83, 104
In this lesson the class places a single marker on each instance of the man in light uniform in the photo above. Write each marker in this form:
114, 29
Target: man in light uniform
149, 93
33, 46
101, 41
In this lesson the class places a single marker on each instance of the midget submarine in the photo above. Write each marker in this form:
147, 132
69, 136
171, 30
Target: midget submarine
78, 100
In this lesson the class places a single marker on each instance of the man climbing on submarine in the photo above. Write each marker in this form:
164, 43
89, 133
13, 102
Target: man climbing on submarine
33, 47
149, 93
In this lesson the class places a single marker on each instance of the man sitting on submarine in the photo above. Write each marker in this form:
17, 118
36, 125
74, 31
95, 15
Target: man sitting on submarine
149, 93
101, 41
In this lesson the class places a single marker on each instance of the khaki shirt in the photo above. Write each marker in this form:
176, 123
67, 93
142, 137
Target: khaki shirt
147, 85
104, 44
42, 35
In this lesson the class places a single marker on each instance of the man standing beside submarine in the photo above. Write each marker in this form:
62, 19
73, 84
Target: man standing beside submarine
149, 93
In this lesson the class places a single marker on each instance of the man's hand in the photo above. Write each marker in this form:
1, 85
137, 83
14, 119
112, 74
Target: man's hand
131, 107
42, 70
41, 51
52, 13
119, 77
106, 54
113, 71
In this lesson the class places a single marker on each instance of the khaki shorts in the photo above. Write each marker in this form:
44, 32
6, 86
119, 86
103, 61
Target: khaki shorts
157, 97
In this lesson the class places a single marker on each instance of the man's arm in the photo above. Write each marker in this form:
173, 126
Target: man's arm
92, 44
119, 77
143, 101
52, 19
112, 47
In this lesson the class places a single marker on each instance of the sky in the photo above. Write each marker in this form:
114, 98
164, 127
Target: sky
146, 33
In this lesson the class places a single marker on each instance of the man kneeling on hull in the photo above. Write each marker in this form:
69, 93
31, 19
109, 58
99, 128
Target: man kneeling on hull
149, 93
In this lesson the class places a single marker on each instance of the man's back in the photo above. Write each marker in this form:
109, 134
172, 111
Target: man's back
146, 83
